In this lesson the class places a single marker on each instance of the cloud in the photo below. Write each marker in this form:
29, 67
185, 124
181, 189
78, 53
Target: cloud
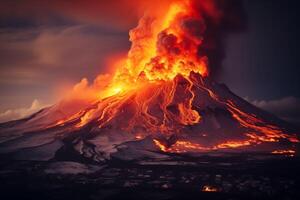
40, 51
38, 61
287, 108
20, 113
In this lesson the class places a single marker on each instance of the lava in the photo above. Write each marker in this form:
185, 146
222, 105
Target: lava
270, 132
163, 47
163, 87
233, 144
160, 145
166, 46
288, 152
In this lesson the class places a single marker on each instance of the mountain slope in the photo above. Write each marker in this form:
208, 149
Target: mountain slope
186, 115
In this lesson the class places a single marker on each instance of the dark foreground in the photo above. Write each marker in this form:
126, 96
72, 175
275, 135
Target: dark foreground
239, 177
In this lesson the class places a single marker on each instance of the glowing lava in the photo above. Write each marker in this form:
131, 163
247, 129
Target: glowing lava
162, 88
288, 152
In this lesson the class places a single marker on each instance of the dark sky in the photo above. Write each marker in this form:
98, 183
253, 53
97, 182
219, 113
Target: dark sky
44, 46
263, 62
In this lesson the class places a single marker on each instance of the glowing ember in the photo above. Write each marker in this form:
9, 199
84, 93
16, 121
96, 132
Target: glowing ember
208, 188
285, 152
138, 137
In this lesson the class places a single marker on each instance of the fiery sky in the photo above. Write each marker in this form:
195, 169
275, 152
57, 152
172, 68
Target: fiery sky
47, 46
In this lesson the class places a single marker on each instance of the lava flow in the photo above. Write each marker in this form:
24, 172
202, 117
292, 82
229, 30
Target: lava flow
163, 90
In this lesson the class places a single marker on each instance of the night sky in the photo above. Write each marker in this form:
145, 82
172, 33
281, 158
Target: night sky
47, 46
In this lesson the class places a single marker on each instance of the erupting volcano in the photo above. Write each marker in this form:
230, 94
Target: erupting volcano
160, 101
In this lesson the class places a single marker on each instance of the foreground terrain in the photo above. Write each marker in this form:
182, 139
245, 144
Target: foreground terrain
234, 176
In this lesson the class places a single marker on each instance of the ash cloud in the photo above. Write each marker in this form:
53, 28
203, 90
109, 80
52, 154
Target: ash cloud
45, 44
37, 61
232, 20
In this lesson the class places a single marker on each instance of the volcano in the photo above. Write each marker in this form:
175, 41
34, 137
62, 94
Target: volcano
184, 115
161, 100
158, 127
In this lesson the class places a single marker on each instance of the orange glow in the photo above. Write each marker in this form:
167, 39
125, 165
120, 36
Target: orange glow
161, 47
288, 152
160, 145
186, 146
164, 45
62, 122
138, 137
233, 144
270, 132
85, 118
152, 90
208, 188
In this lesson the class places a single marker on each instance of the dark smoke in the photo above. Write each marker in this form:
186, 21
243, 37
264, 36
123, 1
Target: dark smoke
233, 20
